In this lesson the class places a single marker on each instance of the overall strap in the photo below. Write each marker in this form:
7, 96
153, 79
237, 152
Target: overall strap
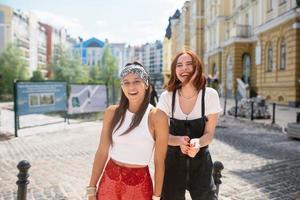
203, 102
173, 102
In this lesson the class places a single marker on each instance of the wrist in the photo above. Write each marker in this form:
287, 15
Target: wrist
196, 143
154, 197
91, 191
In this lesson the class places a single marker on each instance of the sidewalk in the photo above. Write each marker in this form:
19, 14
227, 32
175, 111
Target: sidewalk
33, 124
283, 114
259, 163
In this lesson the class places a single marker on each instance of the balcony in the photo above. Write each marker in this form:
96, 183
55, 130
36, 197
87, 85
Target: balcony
241, 31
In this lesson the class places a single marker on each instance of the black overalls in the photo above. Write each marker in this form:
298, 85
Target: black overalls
183, 172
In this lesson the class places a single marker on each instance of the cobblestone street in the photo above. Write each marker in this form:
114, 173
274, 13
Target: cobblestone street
259, 163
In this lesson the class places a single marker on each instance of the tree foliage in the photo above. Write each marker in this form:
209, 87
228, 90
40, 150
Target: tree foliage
12, 67
37, 75
67, 68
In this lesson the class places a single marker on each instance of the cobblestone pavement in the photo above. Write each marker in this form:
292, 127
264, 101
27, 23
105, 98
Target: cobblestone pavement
259, 163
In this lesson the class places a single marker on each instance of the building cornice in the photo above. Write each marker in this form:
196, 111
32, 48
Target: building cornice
277, 21
239, 40
213, 52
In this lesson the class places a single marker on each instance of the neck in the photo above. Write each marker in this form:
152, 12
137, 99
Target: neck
188, 90
134, 107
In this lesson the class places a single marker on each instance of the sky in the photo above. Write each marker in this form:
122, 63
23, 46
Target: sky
134, 22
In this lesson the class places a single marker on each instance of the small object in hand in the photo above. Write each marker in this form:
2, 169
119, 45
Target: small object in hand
195, 143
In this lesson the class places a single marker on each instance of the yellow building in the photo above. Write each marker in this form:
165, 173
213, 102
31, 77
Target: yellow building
251, 47
238, 49
167, 54
197, 25
278, 57
216, 12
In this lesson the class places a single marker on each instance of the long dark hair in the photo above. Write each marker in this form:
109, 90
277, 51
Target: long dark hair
199, 81
120, 111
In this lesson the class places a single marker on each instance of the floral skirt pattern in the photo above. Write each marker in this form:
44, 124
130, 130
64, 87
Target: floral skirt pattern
123, 183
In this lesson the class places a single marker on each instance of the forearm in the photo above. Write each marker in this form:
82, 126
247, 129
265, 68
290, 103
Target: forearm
158, 177
98, 166
206, 139
173, 140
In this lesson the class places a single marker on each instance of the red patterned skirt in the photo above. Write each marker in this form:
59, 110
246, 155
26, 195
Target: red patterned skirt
123, 183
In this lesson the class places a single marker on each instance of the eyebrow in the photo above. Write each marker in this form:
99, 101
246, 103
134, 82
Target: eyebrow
189, 61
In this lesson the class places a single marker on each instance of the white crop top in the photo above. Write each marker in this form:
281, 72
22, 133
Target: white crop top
135, 147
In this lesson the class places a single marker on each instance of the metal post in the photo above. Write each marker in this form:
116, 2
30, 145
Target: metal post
273, 118
17, 124
22, 182
107, 98
236, 107
113, 90
298, 118
217, 168
225, 102
252, 110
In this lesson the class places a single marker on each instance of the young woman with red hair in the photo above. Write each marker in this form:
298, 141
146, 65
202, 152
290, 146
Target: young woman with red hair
193, 111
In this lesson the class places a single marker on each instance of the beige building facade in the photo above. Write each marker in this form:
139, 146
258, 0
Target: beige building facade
251, 47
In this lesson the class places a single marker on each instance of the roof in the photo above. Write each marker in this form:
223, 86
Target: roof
93, 42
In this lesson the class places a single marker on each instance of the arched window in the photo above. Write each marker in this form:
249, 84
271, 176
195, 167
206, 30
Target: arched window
270, 58
246, 68
282, 61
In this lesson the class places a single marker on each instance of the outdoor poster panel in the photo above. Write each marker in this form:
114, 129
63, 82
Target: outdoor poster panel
87, 99
40, 97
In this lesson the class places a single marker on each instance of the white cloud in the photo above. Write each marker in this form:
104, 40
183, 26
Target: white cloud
101, 23
58, 20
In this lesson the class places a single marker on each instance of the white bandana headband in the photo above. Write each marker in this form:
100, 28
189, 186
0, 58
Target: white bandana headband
137, 70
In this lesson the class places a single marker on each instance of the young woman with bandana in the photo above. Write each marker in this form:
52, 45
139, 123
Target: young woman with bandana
131, 131
193, 111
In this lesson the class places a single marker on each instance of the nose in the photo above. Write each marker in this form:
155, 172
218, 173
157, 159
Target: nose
185, 67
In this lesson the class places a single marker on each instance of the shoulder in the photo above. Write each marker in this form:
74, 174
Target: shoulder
211, 92
110, 111
166, 93
166, 96
157, 115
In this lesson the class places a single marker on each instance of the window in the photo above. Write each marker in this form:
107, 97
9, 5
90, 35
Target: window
280, 2
282, 54
270, 58
269, 5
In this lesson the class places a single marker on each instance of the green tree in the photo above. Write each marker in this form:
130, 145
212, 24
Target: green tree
37, 75
67, 68
109, 73
12, 67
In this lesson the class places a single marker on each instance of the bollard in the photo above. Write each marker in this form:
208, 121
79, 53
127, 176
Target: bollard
22, 182
236, 107
225, 102
298, 118
273, 117
252, 110
217, 168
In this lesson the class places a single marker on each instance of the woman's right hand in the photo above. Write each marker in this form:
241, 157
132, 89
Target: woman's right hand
183, 142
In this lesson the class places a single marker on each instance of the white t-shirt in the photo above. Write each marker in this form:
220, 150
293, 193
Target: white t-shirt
212, 105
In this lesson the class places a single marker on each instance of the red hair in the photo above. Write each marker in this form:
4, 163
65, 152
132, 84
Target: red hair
199, 81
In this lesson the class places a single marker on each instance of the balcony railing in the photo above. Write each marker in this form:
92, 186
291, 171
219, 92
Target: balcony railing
241, 31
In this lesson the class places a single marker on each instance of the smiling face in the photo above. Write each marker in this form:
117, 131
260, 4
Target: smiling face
134, 88
184, 68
